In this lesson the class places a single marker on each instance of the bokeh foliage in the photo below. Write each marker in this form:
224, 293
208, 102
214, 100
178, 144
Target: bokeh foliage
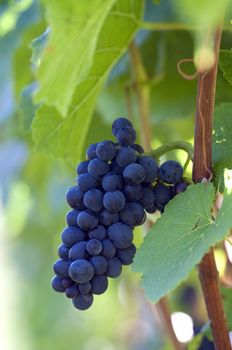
85, 53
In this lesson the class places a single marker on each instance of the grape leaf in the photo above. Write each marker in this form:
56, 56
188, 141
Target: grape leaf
225, 64
222, 136
227, 301
65, 137
180, 238
69, 53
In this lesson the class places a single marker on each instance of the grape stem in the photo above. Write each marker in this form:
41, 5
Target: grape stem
202, 168
160, 151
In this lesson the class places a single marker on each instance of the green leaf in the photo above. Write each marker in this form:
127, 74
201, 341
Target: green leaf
205, 332
195, 342
225, 63
180, 238
65, 137
222, 136
227, 301
75, 26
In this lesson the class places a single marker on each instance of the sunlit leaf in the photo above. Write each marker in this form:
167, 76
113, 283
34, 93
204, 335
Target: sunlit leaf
65, 137
75, 26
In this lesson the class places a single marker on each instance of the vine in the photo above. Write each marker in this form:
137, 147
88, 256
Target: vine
202, 164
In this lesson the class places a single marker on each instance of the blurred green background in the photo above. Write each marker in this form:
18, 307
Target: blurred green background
33, 186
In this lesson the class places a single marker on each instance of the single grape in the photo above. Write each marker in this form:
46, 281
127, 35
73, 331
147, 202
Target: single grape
106, 150
126, 136
98, 168
82, 167
152, 209
108, 249
99, 233
107, 218
112, 182
83, 302
81, 271
120, 123
84, 288
99, 264
126, 256
94, 246
151, 168
114, 268
91, 151
67, 282
99, 284
126, 156
61, 267
87, 220
72, 235
86, 181
74, 197
133, 192
121, 235
72, 292
148, 198
179, 187
63, 251
114, 201
71, 217
57, 284
78, 251
171, 172
161, 207
133, 214
139, 149
93, 199
163, 194
134, 174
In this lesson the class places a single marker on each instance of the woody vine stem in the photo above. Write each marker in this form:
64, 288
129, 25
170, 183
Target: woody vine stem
202, 168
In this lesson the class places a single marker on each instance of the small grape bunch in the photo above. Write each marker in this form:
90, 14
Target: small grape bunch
116, 185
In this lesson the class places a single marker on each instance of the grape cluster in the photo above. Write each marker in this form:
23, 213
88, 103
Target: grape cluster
115, 186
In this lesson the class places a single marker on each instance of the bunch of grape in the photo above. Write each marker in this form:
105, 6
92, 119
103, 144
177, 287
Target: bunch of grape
115, 185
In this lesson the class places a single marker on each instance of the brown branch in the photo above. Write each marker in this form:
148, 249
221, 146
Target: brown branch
202, 168
142, 90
